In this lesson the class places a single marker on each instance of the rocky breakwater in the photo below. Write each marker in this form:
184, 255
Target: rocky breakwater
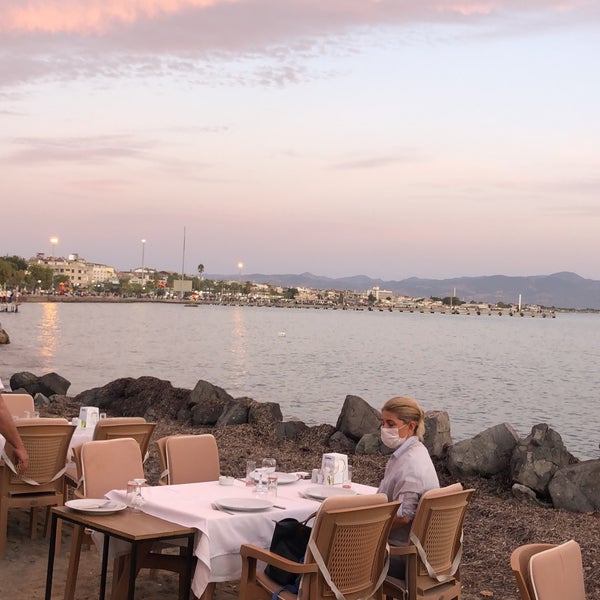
538, 468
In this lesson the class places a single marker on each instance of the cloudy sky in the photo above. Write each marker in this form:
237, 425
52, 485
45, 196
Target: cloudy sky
382, 137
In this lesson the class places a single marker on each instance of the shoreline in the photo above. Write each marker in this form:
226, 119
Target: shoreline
471, 310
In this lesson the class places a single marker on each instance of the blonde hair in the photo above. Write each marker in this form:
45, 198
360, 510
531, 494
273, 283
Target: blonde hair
407, 410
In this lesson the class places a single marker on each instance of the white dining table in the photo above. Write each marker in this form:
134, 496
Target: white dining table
220, 534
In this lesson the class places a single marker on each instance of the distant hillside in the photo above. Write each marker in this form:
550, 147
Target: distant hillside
561, 290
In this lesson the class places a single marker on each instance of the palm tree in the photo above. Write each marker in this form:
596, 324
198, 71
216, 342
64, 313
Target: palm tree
200, 270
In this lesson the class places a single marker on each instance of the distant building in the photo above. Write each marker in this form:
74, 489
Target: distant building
80, 272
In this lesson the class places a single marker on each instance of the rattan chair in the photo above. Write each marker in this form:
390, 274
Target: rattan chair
111, 429
125, 427
346, 557
433, 556
19, 404
188, 459
42, 484
549, 572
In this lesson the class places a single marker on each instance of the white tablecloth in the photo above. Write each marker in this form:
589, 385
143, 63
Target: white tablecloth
222, 534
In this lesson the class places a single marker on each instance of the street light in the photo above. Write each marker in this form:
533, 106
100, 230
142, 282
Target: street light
143, 249
53, 242
240, 267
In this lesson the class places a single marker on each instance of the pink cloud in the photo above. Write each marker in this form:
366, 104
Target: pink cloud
102, 16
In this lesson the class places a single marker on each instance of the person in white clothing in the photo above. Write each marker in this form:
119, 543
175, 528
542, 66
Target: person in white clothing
409, 472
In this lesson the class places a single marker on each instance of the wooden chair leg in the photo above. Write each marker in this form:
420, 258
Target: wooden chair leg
73, 568
33, 522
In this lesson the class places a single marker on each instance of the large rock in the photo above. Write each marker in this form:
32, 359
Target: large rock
24, 380
206, 404
486, 454
235, 412
536, 458
341, 443
48, 384
265, 416
577, 487
53, 383
290, 429
437, 436
147, 397
371, 443
357, 418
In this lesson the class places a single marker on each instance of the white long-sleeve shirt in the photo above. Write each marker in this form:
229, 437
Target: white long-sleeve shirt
408, 475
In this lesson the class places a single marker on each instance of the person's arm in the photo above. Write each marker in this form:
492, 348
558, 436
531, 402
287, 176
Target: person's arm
9, 431
406, 512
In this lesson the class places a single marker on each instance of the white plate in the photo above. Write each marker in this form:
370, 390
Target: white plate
320, 492
282, 478
96, 506
244, 504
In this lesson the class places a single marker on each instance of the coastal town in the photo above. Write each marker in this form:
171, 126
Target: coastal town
49, 278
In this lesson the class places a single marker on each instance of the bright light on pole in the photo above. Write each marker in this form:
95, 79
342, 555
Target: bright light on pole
53, 242
240, 266
143, 251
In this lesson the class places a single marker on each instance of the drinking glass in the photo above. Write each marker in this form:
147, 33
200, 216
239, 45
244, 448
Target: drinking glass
250, 472
269, 465
348, 481
138, 499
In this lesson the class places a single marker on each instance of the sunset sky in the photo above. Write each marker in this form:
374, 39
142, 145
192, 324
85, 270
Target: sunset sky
381, 137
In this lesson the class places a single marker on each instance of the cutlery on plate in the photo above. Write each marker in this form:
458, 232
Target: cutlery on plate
277, 506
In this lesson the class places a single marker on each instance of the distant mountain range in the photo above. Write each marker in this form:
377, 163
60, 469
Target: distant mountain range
560, 290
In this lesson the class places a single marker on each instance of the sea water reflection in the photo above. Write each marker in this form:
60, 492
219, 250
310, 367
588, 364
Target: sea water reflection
482, 370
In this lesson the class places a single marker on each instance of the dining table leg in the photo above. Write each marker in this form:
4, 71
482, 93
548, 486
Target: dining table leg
51, 553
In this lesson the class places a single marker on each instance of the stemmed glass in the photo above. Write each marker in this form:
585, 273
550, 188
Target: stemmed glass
138, 499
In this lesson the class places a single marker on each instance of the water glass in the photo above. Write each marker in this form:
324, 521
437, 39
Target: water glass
262, 482
272, 485
130, 493
250, 469
269, 465
138, 499
348, 481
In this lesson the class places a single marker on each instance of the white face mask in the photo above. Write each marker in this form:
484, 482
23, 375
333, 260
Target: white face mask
391, 438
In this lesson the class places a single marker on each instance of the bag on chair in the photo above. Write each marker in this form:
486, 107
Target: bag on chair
290, 539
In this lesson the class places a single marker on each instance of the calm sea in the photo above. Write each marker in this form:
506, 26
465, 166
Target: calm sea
483, 370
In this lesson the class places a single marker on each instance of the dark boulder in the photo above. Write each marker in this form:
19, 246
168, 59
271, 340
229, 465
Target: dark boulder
341, 443
357, 418
206, 404
53, 383
437, 436
235, 412
536, 458
265, 415
371, 443
147, 397
577, 487
24, 380
290, 429
486, 454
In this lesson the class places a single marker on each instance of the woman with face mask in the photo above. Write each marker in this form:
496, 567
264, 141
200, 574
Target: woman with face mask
410, 471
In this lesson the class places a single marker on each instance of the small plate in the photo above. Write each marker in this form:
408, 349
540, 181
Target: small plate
244, 504
282, 478
96, 506
320, 492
